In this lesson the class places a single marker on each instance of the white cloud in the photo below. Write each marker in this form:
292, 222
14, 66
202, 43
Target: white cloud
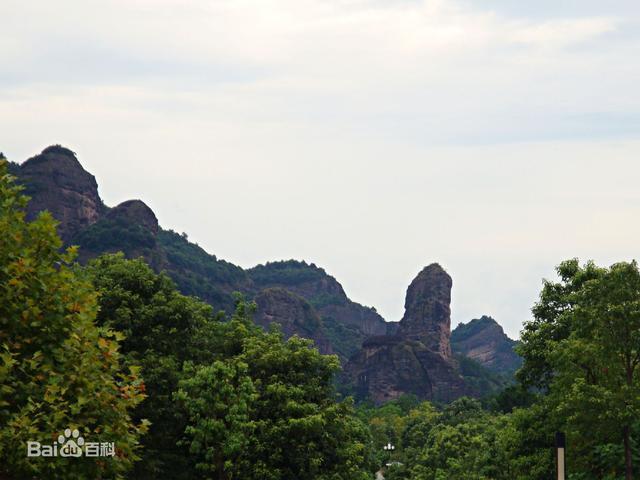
353, 133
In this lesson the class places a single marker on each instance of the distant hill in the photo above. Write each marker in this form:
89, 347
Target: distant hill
382, 360
417, 358
56, 181
347, 324
484, 341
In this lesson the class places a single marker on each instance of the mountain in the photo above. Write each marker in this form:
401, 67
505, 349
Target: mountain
56, 181
301, 297
484, 341
293, 313
417, 359
382, 359
347, 324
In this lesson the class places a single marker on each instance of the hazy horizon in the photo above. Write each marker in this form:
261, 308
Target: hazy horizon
370, 137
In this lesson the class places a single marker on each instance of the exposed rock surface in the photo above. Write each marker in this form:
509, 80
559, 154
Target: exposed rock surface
417, 358
346, 323
56, 182
411, 356
427, 316
484, 341
293, 313
136, 212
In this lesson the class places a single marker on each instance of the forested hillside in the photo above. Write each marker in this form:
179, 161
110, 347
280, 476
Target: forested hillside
112, 351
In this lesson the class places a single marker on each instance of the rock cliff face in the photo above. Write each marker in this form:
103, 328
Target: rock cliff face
427, 316
135, 212
56, 181
294, 315
417, 359
484, 341
410, 356
347, 323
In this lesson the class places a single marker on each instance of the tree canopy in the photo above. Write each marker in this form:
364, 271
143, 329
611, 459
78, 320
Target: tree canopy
58, 368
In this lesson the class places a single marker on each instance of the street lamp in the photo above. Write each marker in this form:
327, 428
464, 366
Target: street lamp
389, 448
560, 455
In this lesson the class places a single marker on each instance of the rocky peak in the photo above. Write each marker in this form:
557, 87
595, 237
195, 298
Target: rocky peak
414, 357
347, 323
56, 182
135, 212
294, 315
484, 340
306, 279
427, 316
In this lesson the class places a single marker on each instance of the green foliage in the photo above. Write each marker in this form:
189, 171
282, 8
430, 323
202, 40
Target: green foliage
226, 399
583, 348
287, 272
198, 273
479, 378
116, 234
512, 397
461, 441
162, 330
58, 369
289, 423
60, 150
345, 339
218, 399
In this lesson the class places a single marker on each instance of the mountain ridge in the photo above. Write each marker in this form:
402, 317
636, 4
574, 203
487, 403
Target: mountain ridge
301, 297
56, 181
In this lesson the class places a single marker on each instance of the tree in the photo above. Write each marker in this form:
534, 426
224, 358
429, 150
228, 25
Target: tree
584, 347
58, 370
218, 399
163, 329
278, 402
461, 442
226, 399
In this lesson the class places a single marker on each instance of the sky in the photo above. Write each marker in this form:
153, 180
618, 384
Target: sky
371, 137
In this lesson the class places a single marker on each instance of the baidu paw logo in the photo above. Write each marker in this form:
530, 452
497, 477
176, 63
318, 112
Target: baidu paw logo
71, 443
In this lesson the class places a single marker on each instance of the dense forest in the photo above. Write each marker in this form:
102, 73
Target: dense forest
113, 349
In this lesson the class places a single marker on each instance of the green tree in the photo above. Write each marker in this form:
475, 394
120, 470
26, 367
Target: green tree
163, 329
461, 443
58, 369
583, 346
218, 399
280, 405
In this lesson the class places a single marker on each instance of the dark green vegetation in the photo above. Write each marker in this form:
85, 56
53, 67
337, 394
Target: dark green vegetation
581, 358
58, 368
225, 399
484, 341
345, 324
583, 350
57, 183
194, 271
479, 378
115, 349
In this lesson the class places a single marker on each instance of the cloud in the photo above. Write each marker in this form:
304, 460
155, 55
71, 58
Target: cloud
342, 131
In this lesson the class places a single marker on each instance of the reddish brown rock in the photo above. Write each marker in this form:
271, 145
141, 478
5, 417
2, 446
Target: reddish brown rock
294, 315
56, 182
427, 316
417, 358
346, 323
484, 340
135, 212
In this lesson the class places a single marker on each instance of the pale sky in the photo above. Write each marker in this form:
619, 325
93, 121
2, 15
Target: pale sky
371, 137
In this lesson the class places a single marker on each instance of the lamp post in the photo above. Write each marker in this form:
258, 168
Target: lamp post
389, 448
560, 455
